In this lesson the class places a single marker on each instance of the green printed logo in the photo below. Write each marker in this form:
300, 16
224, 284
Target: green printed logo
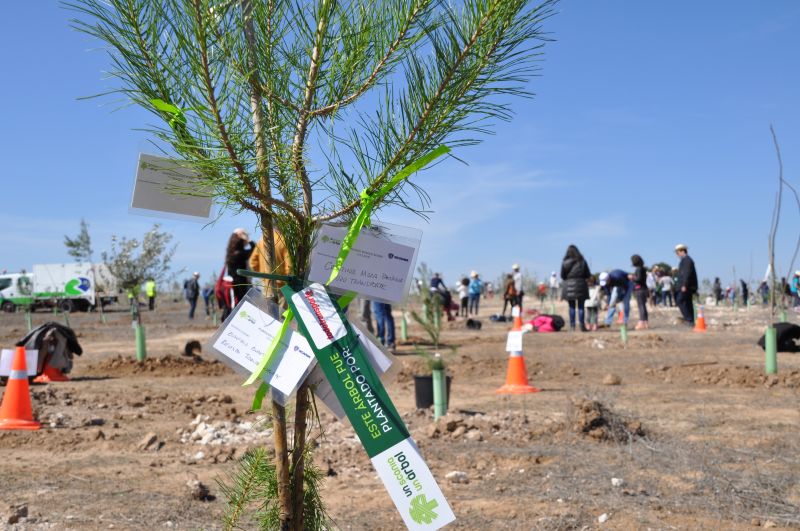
325, 238
77, 286
244, 315
421, 509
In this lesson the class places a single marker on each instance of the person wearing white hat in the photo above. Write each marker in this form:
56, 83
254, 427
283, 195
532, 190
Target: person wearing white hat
517, 286
475, 289
686, 285
554, 284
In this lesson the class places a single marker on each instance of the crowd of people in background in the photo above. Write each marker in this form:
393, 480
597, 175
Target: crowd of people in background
587, 294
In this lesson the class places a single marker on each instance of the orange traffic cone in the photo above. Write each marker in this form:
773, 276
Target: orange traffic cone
517, 375
517, 319
15, 411
49, 374
700, 322
621, 318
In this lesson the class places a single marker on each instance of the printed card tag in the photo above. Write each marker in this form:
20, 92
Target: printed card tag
412, 487
244, 340
319, 314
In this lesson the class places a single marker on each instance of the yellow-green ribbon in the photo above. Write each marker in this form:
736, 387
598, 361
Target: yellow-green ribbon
369, 200
177, 114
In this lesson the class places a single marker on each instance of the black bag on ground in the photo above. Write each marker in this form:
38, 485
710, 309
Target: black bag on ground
56, 344
787, 334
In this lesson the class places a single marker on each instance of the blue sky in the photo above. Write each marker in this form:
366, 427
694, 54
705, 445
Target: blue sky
650, 127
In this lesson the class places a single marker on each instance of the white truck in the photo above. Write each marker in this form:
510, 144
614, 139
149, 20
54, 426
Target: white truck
73, 286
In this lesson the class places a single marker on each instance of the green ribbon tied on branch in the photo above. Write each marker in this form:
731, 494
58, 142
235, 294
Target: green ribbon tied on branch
177, 114
368, 202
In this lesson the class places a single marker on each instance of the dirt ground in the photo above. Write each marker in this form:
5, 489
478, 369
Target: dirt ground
694, 435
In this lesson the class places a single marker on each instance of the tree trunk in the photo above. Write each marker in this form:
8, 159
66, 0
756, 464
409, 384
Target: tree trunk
298, 455
282, 465
286, 510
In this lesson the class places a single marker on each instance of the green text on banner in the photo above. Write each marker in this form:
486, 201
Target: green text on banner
367, 405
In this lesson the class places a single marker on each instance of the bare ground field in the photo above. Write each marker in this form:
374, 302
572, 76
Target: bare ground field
695, 435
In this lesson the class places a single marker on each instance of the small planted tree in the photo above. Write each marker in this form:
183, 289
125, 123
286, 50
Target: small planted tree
307, 112
132, 261
80, 247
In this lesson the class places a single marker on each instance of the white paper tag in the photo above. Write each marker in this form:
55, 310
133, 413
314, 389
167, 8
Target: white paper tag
7, 358
245, 340
318, 313
412, 487
162, 187
376, 267
514, 342
379, 361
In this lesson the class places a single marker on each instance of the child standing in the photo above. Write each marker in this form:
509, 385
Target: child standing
593, 302
463, 295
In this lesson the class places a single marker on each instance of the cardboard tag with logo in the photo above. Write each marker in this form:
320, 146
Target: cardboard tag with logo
380, 265
244, 337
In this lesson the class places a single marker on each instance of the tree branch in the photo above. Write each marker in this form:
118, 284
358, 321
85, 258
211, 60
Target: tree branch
211, 99
423, 118
308, 98
328, 109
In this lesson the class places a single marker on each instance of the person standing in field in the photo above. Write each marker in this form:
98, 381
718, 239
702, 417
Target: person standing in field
475, 289
191, 289
745, 291
282, 265
554, 284
518, 286
575, 272
687, 284
237, 257
150, 291
717, 289
463, 296
509, 293
541, 291
593, 303
667, 285
384, 322
639, 278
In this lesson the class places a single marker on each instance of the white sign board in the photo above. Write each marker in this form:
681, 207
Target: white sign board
7, 358
514, 342
380, 264
165, 188
244, 339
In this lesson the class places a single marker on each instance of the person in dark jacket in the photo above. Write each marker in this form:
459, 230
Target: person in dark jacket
237, 256
191, 290
717, 289
639, 278
745, 291
687, 284
574, 289
618, 287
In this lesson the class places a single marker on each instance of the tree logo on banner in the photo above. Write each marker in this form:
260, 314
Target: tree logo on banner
421, 509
